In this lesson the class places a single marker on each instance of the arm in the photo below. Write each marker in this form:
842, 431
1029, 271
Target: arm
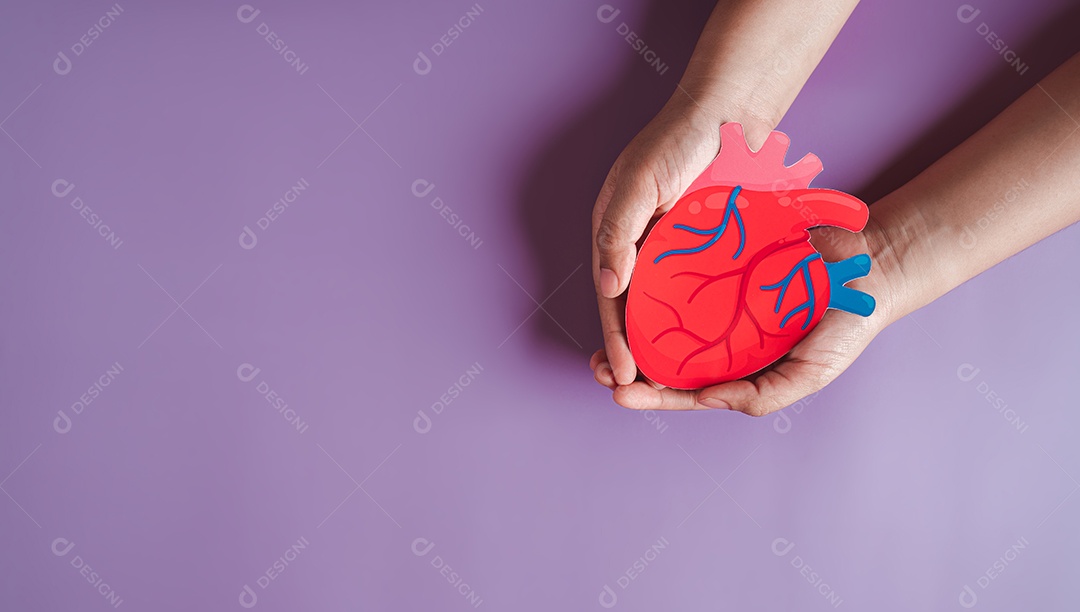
1010, 185
749, 64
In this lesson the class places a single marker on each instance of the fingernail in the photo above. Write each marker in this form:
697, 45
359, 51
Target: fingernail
603, 373
712, 402
609, 283
627, 378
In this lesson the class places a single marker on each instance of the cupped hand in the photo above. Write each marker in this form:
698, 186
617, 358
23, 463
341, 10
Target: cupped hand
647, 179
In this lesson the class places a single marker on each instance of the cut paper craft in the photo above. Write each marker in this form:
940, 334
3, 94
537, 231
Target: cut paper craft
727, 282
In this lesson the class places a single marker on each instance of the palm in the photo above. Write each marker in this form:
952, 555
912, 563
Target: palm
818, 359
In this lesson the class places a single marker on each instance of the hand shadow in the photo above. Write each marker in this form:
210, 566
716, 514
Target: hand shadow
558, 193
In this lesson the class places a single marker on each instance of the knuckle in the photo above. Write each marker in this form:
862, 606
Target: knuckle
603, 200
667, 174
609, 236
767, 400
757, 408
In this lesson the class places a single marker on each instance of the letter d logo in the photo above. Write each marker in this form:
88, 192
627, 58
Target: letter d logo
782, 65
247, 372
968, 240
246, 14
248, 239
62, 422
608, 598
422, 546
966, 372
422, 187
421, 65
968, 599
61, 65
967, 14
606, 14
248, 598
782, 546
62, 546
782, 424
422, 422
62, 187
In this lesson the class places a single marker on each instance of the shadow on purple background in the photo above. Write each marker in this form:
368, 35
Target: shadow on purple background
557, 198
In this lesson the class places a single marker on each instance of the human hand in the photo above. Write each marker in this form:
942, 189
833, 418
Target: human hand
724, 81
813, 363
647, 179
924, 239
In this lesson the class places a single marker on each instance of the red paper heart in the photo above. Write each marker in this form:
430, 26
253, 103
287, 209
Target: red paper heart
727, 281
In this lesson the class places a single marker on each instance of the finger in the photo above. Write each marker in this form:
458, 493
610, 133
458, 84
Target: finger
603, 375
612, 310
815, 362
779, 386
653, 383
597, 358
613, 323
622, 221
602, 369
640, 395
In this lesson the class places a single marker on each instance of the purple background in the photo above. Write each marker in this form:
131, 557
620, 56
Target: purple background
180, 484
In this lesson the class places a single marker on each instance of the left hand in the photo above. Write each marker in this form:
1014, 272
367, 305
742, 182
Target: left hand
814, 362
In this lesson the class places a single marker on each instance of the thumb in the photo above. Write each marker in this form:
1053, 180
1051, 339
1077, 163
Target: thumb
623, 221
778, 387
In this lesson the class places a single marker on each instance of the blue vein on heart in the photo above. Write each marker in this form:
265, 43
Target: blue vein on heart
808, 305
731, 211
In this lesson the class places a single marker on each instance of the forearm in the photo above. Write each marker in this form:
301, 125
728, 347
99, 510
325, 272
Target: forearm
1010, 185
754, 56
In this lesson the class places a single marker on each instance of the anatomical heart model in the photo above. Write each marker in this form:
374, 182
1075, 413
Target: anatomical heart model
727, 281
